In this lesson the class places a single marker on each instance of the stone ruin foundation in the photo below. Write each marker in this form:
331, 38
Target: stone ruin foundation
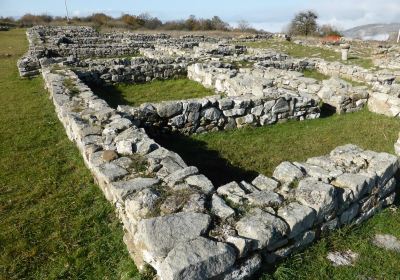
174, 218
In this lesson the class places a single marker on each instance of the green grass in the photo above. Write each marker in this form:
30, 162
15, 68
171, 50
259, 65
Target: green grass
54, 221
262, 149
154, 92
301, 51
315, 75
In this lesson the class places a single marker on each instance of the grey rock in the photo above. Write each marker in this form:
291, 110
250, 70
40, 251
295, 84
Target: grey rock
112, 172
245, 269
236, 112
265, 183
180, 175
287, 172
219, 207
346, 258
125, 147
233, 192
122, 189
359, 184
169, 109
199, 258
142, 204
158, 236
242, 245
317, 195
388, 188
225, 104
195, 203
248, 187
264, 228
200, 181
387, 241
280, 106
299, 217
211, 114
348, 215
265, 198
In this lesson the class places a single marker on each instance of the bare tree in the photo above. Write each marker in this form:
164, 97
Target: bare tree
304, 23
243, 25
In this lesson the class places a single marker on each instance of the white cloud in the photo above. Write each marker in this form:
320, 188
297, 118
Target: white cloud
344, 14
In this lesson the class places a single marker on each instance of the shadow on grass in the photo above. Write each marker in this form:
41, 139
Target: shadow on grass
111, 94
209, 162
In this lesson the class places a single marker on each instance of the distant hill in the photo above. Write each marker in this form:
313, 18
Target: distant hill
380, 32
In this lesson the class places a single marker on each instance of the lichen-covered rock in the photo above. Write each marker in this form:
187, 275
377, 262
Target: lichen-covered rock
265, 198
264, 228
233, 192
319, 196
265, 183
122, 189
219, 207
299, 217
245, 269
197, 259
287, 172
157, 236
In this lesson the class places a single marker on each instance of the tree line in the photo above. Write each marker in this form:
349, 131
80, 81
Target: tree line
132, 22
303, 23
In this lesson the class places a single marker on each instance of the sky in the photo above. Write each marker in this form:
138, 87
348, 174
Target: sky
262, 14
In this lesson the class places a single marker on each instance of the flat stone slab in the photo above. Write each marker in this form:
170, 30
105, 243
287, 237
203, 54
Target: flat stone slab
264, 228
124, 188
160, 235
299, 217
387, 241
197, 259
317, 195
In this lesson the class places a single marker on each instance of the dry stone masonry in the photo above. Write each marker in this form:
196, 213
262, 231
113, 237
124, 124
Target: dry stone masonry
174, 218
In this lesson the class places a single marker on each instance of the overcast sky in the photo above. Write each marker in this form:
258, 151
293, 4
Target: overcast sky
270, 15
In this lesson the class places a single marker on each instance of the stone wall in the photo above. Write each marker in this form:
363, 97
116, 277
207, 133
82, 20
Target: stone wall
175, 219
354, 72
217, 113
134, 70
268, 79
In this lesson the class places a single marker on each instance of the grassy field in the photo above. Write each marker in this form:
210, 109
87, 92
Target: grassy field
153, 92
54, 221
300, 51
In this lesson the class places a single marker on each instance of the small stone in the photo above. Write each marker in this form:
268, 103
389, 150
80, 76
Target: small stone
219, 207
180, 175
122, 189
200, 181
346, 258
109, 155
387, 241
